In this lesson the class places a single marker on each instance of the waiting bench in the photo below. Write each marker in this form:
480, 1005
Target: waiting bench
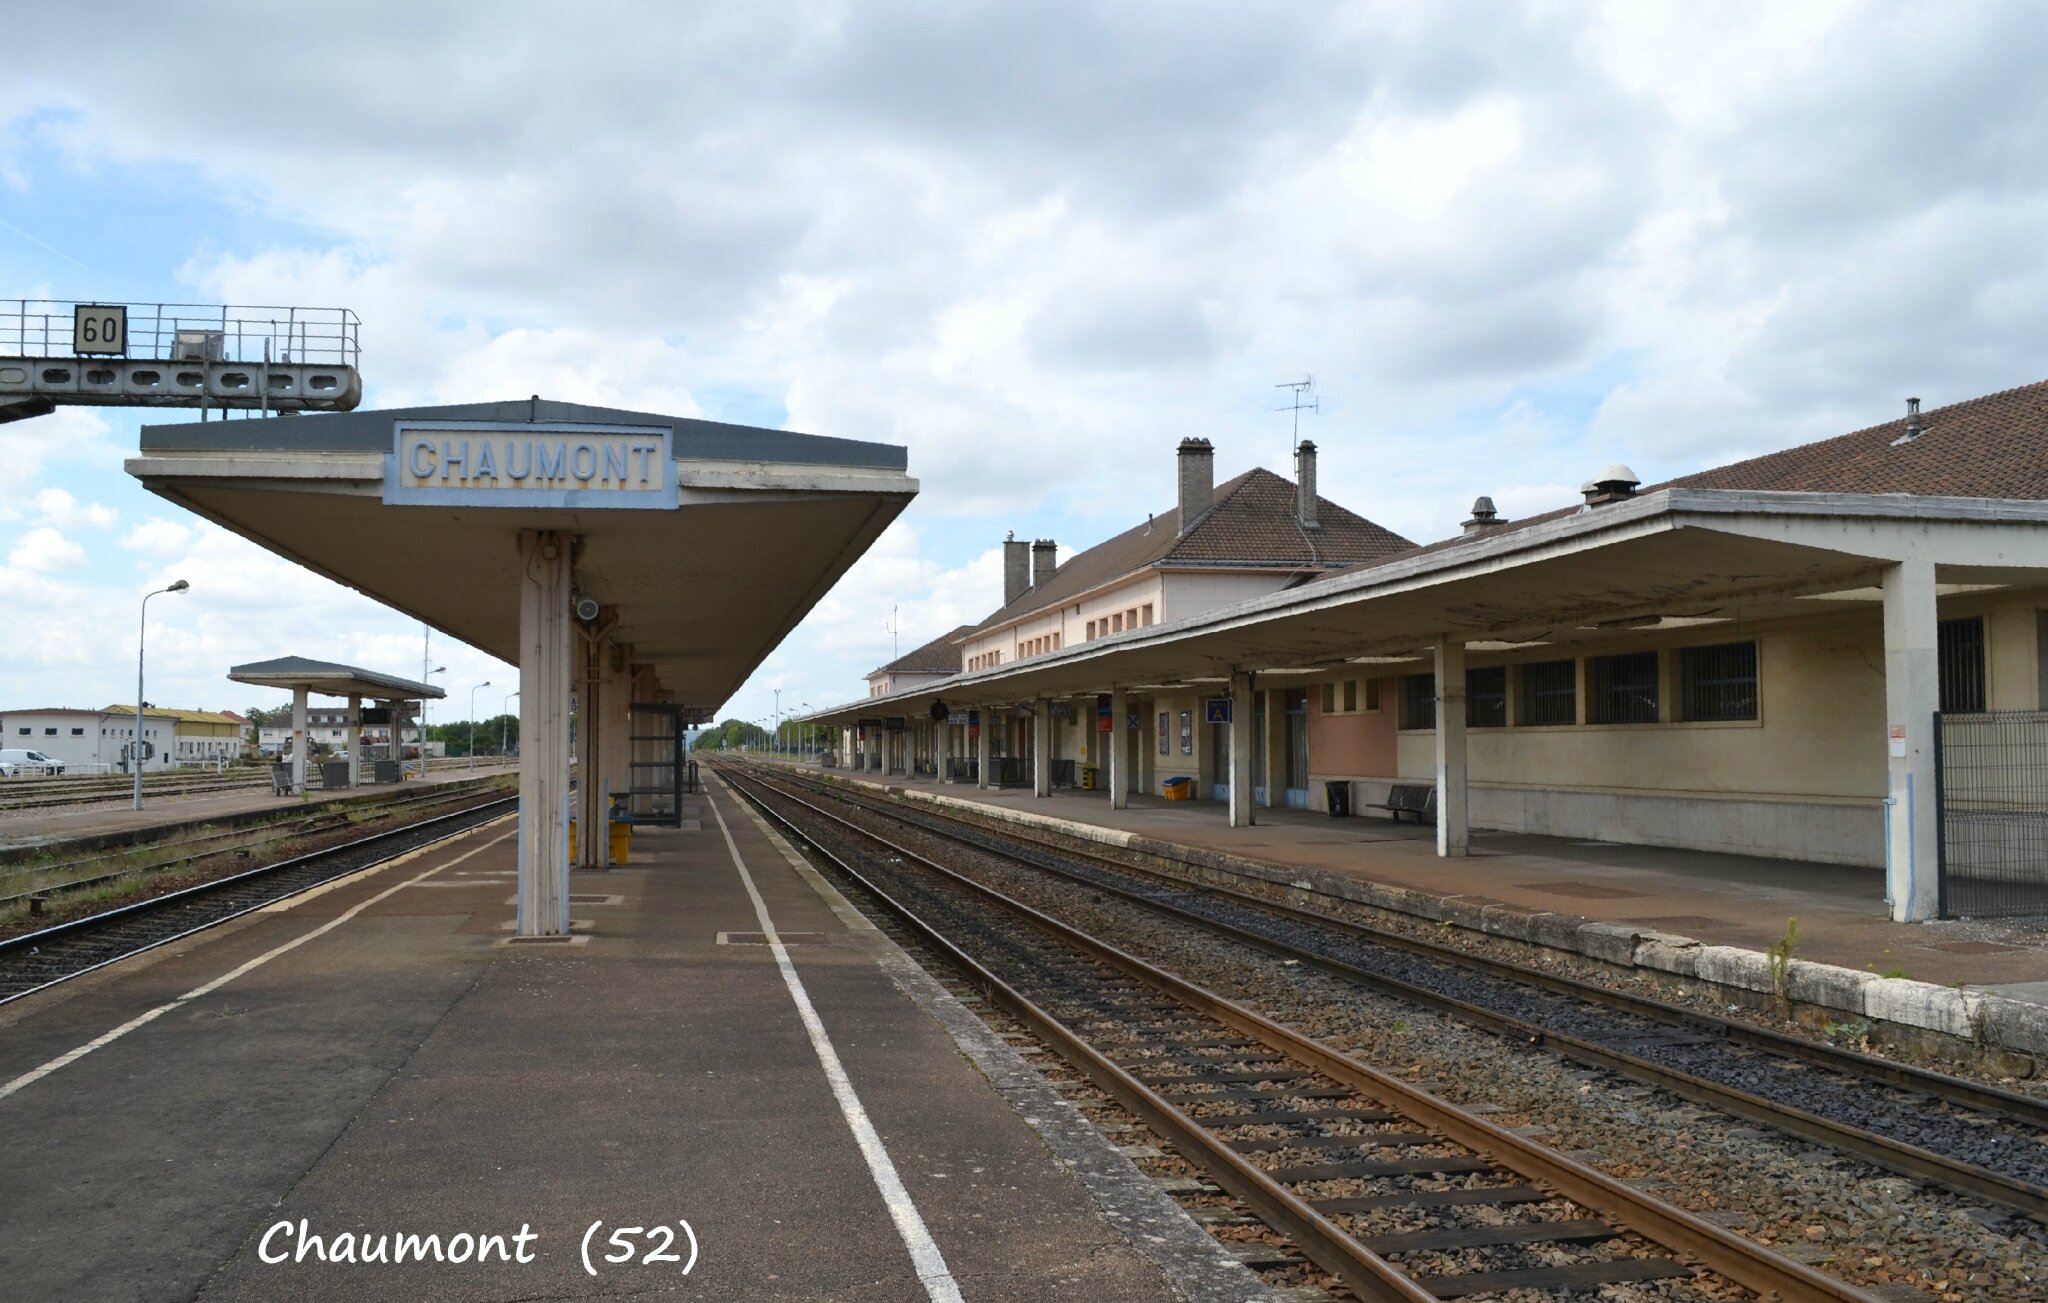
1418, 799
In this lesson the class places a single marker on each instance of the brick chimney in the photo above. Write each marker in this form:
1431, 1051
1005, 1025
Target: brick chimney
1016, 568
1305, 484
1197, 480
1045, 558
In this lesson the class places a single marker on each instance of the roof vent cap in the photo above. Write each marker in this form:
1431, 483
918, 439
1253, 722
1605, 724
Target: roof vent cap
1484, 517
1913, 426
1611, 485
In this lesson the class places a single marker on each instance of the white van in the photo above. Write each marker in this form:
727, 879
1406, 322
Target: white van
17, 762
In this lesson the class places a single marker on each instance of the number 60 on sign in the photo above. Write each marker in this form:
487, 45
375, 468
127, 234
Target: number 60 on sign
98, 328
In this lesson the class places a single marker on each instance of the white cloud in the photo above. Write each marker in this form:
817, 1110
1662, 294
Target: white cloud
65, 511
45, 549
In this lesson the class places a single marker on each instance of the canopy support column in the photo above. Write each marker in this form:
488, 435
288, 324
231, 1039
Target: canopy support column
615, 736
1241, 750
1041, 747
301, 739
353, 739
984, 750
1453, 817
1119, 752
545, 638
1912, 695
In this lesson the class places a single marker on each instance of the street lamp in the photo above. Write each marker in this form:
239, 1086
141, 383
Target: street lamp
438, 669
778, 719
142, 628
472, 721
505, 734
805, 706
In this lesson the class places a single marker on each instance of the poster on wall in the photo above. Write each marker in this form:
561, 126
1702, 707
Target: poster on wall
1187, 732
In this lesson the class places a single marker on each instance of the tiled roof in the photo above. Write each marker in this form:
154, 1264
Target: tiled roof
182, 716
939, 656
1990, 447
1251, 523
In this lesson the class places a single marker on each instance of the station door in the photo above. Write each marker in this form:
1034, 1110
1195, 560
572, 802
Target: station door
1991, 775
659, 771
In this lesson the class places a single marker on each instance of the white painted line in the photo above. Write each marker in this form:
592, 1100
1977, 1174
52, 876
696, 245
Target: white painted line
64, 1060
932, 1271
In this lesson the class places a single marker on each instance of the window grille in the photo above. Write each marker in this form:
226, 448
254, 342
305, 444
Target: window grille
1550, 693
1622, 689
1960, 652
1418, 701
1718, 682
1486, 697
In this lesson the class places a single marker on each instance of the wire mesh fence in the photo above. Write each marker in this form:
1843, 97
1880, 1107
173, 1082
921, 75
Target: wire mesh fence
1991, 770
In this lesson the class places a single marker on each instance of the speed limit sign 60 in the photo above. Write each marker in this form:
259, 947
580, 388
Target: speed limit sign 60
98, 328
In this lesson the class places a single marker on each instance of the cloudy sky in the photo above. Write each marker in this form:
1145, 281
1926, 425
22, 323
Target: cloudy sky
1038, 244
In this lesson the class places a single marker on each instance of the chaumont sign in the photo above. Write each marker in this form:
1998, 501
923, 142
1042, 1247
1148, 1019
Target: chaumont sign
515, 464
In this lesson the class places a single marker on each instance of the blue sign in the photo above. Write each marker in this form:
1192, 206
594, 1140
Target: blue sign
516, 464
1216, 710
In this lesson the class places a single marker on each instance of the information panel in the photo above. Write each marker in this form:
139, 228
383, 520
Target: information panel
515, 464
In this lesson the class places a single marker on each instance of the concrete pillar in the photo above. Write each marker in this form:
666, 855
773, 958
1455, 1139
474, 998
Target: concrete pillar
1241, 751
1041, 748
1119, 752
984, 750
300, 739
615, 716
1453, 817
546, 636
593, 844
353, 738
1912, 693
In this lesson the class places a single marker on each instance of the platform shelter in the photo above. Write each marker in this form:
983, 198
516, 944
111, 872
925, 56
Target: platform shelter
637, 564
302, 677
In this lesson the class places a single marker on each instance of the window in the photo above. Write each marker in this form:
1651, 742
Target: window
49, 732
1349, 696
1718, 682
1550, 693
1622, 689
1329, 698
1131, 618
1418, 701
1486, 697
1116, 622
28, 732
1145, 614
1165, 733
1959, 651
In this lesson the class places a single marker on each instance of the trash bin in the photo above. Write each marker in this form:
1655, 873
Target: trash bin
1179, 789
386, 771
1337, 793
622, 840
334, 773
1088, 778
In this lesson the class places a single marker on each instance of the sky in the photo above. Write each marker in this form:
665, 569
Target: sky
1036, 244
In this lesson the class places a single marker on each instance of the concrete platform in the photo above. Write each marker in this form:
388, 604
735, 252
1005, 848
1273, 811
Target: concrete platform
24, 828
389, 1065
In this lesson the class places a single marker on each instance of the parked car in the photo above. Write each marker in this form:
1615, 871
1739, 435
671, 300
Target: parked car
17, 761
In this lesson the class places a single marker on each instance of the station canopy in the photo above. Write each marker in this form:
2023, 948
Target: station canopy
702, 543
331, 680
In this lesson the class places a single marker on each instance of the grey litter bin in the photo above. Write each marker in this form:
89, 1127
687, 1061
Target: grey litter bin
334, 773
1337, 794
386, 771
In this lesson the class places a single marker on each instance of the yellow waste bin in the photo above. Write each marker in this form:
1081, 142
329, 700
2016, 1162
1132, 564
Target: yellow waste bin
622, 841
1087, 778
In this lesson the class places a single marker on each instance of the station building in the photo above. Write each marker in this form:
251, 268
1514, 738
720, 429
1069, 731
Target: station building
93, 741
1756, 658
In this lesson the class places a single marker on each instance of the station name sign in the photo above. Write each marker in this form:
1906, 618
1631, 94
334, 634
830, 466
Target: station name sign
517, 464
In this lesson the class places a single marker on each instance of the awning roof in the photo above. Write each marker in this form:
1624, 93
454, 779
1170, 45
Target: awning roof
1684, 555
331, 680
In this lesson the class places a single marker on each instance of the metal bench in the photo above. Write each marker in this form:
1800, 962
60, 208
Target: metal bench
1418, 799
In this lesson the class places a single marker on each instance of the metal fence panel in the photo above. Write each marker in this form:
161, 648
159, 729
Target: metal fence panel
1991, 769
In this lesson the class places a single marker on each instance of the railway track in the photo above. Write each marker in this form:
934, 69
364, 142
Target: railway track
86, 871
1392, 1191
1967, 1136
38, 960
22, 794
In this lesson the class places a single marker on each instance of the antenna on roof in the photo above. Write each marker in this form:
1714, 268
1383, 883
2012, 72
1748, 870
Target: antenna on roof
1303, 388
895, 627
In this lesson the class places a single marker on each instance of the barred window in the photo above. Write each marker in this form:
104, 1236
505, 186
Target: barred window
1486, 697
1550, 693
1959, 651
1718, 682
1418, 701
1622, 689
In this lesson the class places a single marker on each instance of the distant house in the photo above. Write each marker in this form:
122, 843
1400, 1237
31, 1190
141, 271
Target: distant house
95, 741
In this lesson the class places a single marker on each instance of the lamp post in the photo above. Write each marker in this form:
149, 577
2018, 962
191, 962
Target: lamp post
505, 734
778, 719
142, 628
805, 706
438, 669
472, 721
